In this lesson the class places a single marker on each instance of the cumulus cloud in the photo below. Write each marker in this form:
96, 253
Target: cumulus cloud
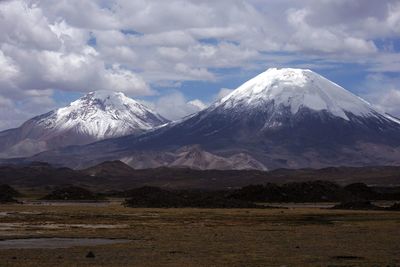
8, 69
383, 92
9, 115
307, 37
123, 80
34, 102
389, 102
198, 104
26, 26
174, 106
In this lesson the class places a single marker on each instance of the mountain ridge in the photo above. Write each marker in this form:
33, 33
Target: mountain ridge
95, 116
270, 120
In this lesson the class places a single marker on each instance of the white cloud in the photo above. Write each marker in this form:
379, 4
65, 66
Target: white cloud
194, 73
26, 26
222, 93
198, 104
383, 92
80, 14
71, 39
175, 106
9, 115
123, 80
4, 102
389, 101
33, 102
170, 38
384, 62
8, 69
307, 37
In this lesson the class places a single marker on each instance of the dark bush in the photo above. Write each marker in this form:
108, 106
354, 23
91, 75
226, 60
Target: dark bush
260, 193
357, 205
313, 191
361, 191
72, 193
8, 194
153, 197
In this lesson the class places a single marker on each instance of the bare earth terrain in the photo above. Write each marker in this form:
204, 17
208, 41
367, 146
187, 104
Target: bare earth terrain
298, 236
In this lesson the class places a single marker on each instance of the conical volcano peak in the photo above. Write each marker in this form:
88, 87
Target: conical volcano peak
296, 89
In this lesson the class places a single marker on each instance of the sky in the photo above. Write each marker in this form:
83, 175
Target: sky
178, 55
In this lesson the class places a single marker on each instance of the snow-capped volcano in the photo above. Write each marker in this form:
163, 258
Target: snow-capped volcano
95, 116
103, 114
293, 89
282, 118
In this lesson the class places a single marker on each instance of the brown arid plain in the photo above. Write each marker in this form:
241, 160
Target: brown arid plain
295, 236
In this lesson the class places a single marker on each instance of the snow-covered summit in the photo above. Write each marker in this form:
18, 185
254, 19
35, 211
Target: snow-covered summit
102, 114
294, 89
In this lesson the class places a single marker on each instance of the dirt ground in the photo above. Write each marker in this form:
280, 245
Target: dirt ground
298, 236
